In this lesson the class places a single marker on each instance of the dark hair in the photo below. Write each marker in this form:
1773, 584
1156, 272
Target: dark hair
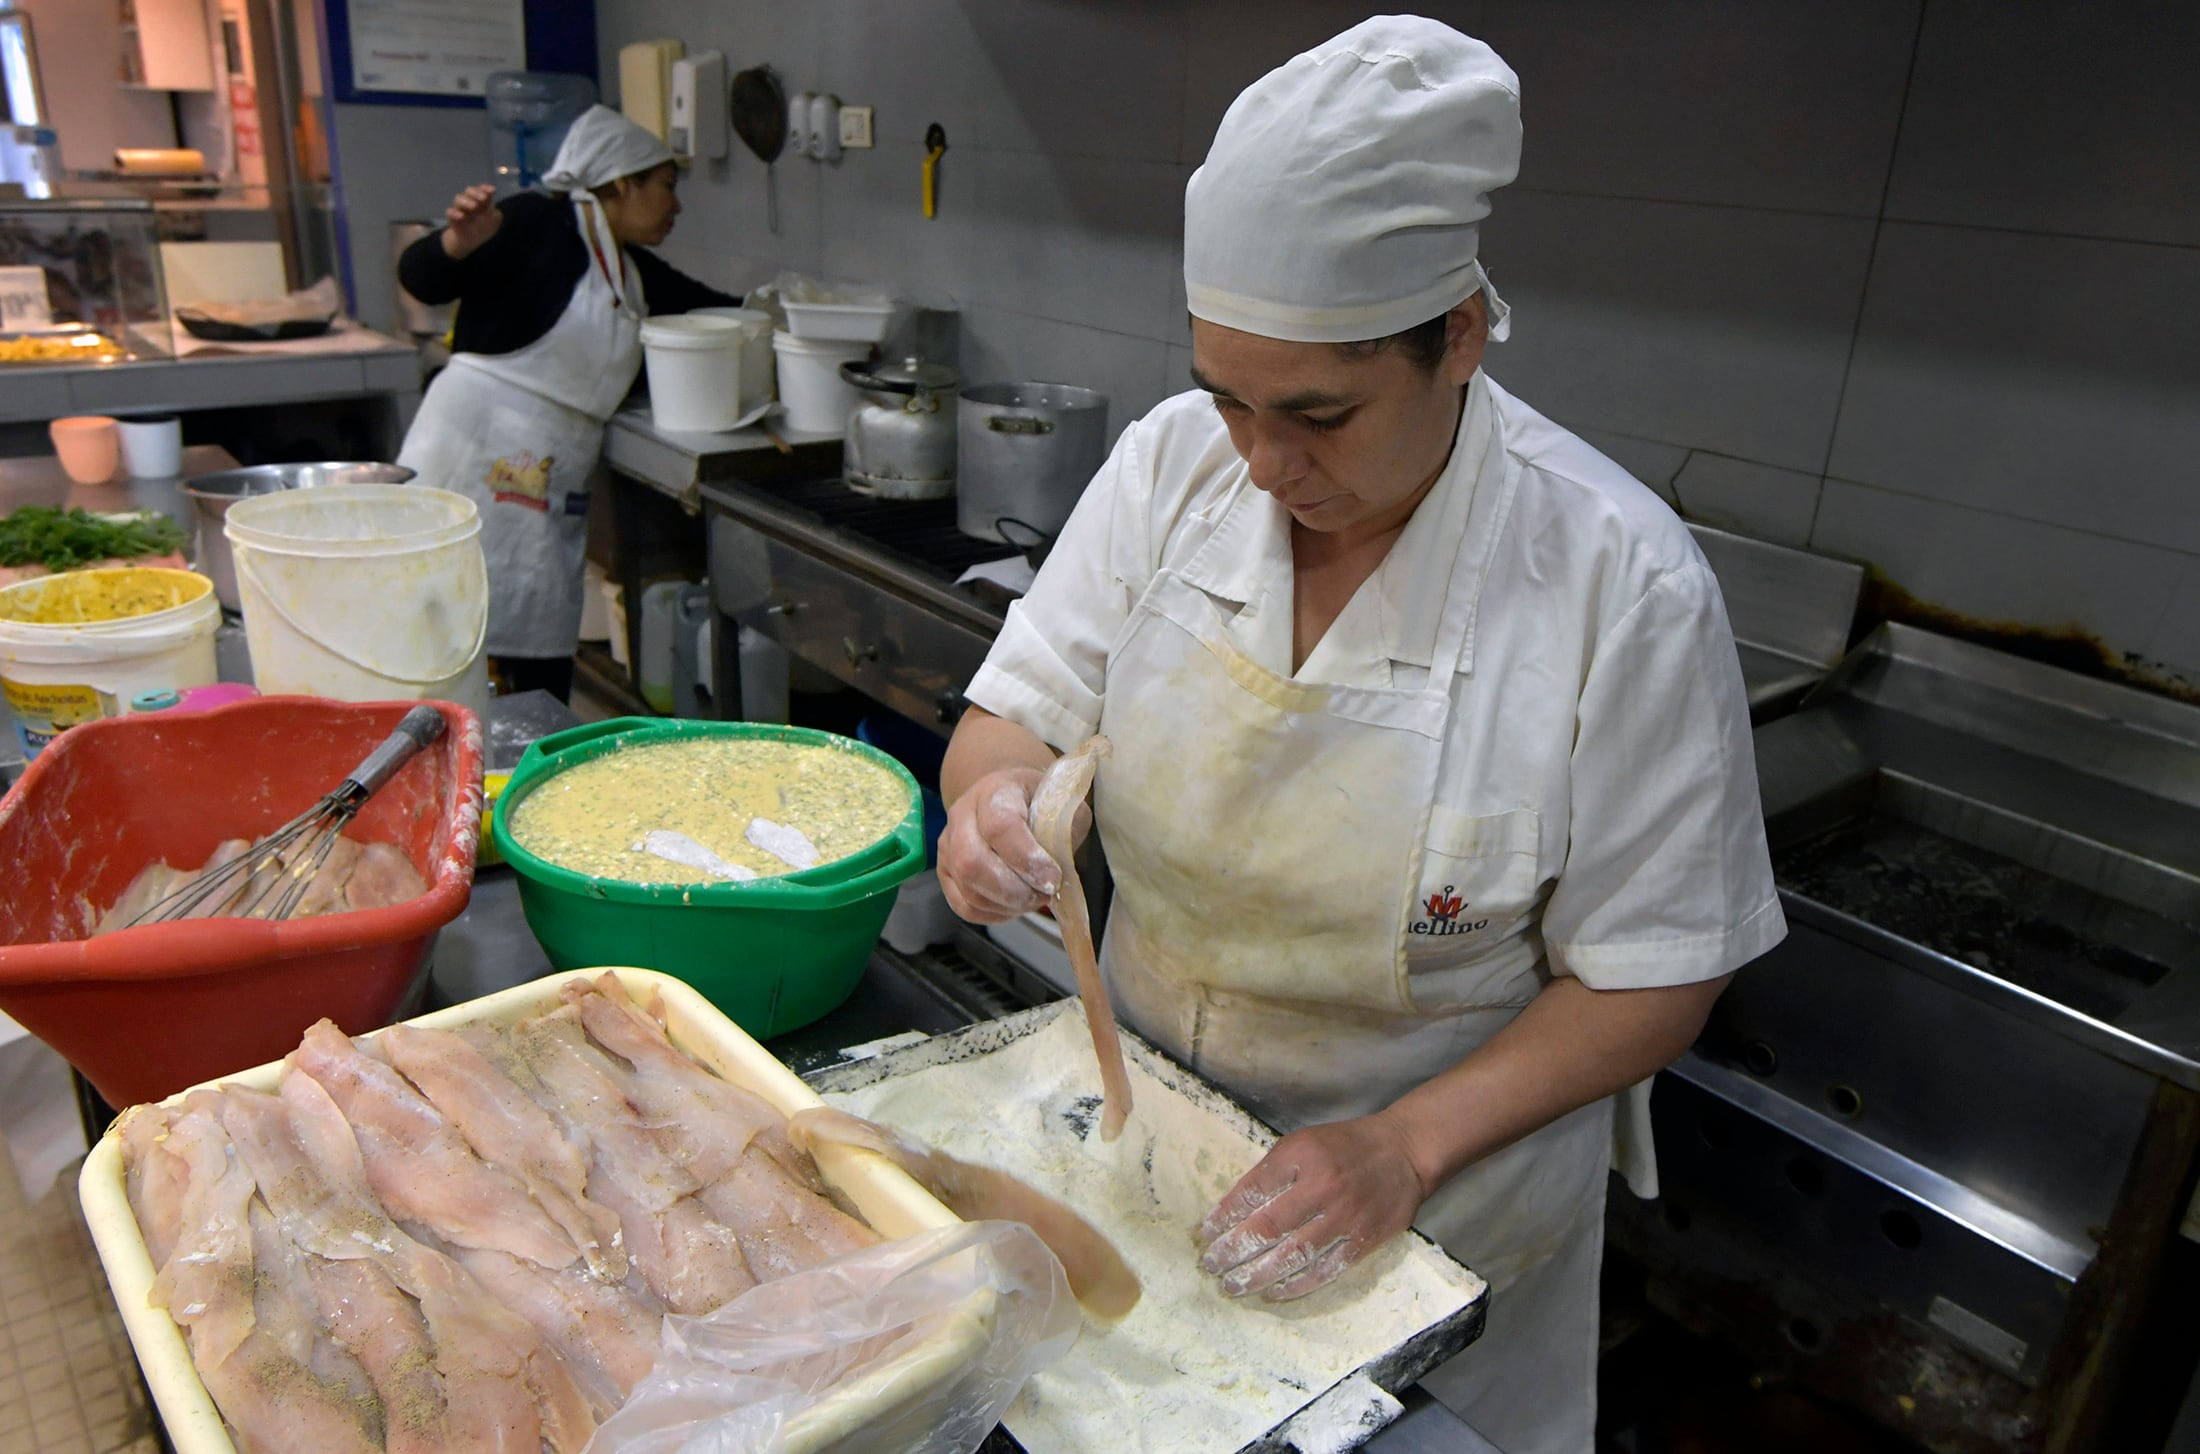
1422, 344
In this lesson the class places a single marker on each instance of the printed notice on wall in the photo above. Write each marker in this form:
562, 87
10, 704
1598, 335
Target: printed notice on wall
434, 47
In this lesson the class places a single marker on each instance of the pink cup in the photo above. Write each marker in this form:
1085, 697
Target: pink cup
90, 446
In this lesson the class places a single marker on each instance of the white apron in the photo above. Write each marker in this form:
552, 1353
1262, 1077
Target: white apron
1267, 838
521, 435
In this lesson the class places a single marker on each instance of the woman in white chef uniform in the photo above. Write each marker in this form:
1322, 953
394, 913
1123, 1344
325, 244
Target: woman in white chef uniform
1432, 812
552, 293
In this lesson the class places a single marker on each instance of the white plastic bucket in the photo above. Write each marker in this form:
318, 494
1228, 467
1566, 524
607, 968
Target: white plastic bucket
57, 673
364, 593
696, 379
759, 386
817, 397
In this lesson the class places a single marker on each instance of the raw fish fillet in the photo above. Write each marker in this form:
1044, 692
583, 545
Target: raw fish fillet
607, 1331
155, 881
690, 1260
153, 1180
1099, 1276
383, 1329
384, 877
416, 1164
498, 1120
355, 876
506, 1391
1053, 819
206, 1281
325, 893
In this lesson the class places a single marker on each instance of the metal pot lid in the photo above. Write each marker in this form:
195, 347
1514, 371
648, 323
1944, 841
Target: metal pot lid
910, 376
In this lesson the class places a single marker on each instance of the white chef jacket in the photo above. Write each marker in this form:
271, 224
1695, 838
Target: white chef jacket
1599, 731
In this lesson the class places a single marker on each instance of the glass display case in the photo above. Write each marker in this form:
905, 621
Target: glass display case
80, 282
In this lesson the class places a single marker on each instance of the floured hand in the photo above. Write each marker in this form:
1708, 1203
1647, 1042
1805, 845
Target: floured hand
1318, 1202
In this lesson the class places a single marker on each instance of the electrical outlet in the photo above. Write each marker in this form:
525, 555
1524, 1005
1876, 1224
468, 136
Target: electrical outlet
855, 126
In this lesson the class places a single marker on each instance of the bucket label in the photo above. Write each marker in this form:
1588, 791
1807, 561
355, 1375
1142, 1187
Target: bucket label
43, 713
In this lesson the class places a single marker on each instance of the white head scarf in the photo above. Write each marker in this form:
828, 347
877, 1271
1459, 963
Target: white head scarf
602, 147
1342, 196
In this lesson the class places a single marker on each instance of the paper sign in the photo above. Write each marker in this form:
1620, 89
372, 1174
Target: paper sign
435, 47
23, 305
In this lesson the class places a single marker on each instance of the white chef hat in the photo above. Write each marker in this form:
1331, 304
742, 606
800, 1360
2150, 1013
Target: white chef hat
602, 147
1342, 196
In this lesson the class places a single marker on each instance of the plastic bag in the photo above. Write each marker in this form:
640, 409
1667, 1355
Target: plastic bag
915, 1346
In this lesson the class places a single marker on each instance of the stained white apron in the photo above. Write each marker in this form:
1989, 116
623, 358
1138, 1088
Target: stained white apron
1269, 841
521, 435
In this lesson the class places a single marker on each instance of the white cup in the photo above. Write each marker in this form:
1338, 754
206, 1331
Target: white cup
152, 449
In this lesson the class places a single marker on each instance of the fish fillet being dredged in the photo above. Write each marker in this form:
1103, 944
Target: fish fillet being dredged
502, 1124
690, 1260
506, 1391
417, 1165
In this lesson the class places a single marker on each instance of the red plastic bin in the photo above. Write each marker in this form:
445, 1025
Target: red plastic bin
146, 1012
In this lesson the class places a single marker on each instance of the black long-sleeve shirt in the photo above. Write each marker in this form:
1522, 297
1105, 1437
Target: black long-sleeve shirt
516, 285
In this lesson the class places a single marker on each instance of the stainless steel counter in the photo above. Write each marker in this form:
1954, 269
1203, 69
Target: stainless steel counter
38, 480
677, 465
376, 366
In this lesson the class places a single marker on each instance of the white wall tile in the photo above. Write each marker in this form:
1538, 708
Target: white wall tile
725, 211
1647, 460
913, 62
1731, 101
1179, 376
1079, 241
1073, 78
1229, 44
2052, 378
1716, 327
1748, 498
2002, 569
2176, 641
2071, 116
1000, 346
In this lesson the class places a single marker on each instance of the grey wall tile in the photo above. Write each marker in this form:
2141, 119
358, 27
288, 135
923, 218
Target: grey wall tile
2002, 569
1647, 460
788, 38
725, 211
1748, 498
1000, 346
913, 62
2176, 641
1178, 378
875, 228
2052, 378
1079, 241
1721, 328
2070, 116
1073, 78
399, 162
1229, 44
1729, 101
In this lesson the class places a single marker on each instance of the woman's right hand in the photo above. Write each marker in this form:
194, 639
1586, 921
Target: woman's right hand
991, 868
471, 220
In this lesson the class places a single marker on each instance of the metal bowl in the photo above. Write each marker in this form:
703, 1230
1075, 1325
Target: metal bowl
212, 495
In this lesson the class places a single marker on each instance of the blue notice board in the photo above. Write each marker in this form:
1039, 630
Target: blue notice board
559, 35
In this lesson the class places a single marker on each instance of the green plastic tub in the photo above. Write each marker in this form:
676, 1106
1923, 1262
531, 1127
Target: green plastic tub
775, 953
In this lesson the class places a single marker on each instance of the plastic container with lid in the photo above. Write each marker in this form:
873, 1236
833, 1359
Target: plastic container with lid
707, 371
83, 645
817, 397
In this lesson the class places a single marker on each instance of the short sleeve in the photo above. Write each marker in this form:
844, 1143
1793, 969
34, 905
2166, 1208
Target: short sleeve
1048, 668
1667, 879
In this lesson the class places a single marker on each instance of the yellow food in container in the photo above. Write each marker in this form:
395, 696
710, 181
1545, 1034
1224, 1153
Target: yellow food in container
81, 645
85, 598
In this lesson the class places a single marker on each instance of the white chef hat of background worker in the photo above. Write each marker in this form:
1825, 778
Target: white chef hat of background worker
1343, 195
601, 147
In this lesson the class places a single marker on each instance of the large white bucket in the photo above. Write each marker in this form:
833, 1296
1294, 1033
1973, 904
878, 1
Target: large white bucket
817, 397
704, 374
364, 593
78, 646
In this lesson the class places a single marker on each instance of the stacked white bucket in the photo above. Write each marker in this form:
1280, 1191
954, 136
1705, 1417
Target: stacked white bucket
708, 370
364, 593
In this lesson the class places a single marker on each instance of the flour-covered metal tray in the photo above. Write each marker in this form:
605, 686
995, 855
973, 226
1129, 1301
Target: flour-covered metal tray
1188, 1369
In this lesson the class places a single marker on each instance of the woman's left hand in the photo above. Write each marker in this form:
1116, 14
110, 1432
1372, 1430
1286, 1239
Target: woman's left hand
1319, 1201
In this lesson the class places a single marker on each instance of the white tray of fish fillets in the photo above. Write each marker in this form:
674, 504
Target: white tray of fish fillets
522, 1034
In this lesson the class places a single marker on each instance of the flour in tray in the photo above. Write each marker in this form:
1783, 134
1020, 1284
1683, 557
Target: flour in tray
1188, 1370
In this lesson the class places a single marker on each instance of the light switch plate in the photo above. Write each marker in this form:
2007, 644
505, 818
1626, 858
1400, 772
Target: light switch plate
855, 126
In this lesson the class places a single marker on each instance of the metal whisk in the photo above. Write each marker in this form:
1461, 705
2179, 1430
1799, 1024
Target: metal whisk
268, 880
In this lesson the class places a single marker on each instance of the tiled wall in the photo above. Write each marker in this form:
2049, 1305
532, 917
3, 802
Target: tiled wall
1911, 281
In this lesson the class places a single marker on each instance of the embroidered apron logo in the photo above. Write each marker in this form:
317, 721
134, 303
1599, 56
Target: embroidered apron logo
1443, 916
521, 479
